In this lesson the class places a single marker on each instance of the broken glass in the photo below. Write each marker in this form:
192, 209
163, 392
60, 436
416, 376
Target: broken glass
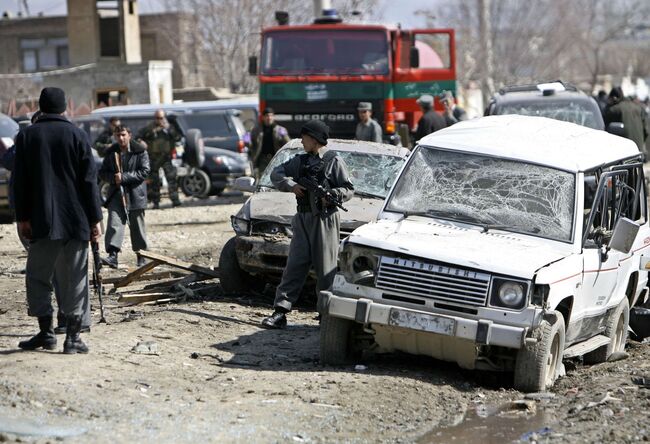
517, 196
566, 111
371, 174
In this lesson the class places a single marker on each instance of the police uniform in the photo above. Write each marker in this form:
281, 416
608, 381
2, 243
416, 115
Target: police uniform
160, 144
315, 227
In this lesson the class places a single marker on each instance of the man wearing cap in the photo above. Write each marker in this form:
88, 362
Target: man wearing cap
453, 113
367, 129
58, 210
316, 224
431, 120
266, 139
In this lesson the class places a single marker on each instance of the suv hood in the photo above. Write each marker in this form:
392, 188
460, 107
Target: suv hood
453, 243
280, 207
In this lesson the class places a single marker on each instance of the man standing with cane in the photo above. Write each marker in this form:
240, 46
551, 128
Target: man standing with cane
125, 168
58, 210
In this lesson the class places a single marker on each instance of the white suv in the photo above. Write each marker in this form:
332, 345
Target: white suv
506, 243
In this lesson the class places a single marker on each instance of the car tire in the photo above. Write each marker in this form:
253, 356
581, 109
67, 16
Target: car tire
616, 330
233, 278
337, 346
197, 184
194, 154
538, 364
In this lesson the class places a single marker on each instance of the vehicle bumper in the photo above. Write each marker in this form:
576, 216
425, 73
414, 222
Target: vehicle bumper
262, 254
366, 311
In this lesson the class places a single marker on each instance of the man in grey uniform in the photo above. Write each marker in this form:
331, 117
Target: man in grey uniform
57, 209
367, 129
316, 225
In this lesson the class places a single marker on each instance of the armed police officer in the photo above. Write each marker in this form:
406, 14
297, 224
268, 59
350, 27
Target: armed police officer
160, 138
316, 224
125, 168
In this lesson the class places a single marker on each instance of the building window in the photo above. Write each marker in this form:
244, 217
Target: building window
43, 54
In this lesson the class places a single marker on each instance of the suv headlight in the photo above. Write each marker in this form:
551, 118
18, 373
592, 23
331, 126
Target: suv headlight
509, 293
240, 225
358, 264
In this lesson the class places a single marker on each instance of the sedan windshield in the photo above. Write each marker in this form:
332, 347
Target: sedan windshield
371, 174
487, 191
567, 111
325, 52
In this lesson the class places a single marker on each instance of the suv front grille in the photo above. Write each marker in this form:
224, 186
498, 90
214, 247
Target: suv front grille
433, 281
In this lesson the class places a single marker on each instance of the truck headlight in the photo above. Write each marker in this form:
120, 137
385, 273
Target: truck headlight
509, 293
358, 264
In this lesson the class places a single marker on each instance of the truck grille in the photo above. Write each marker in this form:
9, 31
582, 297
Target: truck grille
433, 281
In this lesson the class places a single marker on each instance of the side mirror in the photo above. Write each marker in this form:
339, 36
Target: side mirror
617, 128
414, 57
244, 183
252, 65
623, 236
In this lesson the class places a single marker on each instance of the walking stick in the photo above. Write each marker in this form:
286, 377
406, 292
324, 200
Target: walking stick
118, 164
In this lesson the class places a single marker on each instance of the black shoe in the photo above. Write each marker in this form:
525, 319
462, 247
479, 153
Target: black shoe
73, 343
156, 205
276, 320
176, 203
111, 260
45, 338
140, 261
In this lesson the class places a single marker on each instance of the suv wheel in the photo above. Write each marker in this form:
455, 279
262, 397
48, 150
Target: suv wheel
233, 278
337, 345
196, 184
616, 330
538, 364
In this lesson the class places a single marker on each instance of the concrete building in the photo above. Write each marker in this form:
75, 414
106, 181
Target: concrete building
102, 53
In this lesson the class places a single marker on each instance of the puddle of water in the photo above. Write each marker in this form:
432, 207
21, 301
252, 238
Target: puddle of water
493, 425
23, 427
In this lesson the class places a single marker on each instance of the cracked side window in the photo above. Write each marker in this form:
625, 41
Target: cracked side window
517, 196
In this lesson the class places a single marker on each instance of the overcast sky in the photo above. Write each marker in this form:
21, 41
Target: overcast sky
394, 11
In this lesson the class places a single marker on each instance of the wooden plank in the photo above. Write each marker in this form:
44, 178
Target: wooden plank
136, 274
179, 264
167, 274
144, 297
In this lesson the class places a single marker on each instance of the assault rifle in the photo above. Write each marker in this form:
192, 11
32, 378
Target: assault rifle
118, 165
97, 279
321, 192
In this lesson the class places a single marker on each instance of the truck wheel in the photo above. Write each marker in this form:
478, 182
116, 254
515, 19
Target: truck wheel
197, 184
616, 330
194, 153
537, 364
337, 346
233, 278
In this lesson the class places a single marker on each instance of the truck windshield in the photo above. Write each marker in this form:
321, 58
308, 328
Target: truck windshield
487, 191
371, 174
325, 52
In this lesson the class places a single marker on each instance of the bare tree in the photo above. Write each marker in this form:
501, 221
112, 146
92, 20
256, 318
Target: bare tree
227, 32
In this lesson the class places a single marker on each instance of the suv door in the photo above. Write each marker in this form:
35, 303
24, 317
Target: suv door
619, 194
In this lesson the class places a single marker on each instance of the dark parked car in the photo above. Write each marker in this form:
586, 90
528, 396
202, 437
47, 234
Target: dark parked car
8, 130
556, 100
209, 160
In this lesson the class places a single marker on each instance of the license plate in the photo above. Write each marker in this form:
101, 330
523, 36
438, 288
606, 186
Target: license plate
421, 321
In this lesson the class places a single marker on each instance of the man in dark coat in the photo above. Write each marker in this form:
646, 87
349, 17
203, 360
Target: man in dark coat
58, 210
130, 183
620, 109
105, 139
431, 120
266, 139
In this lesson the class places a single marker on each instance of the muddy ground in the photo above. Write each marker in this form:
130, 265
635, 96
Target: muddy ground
216, 376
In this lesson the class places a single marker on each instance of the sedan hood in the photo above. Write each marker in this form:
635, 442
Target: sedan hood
280, 207
495, 251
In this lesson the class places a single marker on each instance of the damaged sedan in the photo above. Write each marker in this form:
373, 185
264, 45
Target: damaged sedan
507, 243
257, 254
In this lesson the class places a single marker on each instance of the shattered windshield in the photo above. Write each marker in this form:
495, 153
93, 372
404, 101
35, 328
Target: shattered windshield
567, 111
371, 173
487, 191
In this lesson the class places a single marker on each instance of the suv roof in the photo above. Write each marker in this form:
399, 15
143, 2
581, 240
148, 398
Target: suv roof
538, 140
556, 100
